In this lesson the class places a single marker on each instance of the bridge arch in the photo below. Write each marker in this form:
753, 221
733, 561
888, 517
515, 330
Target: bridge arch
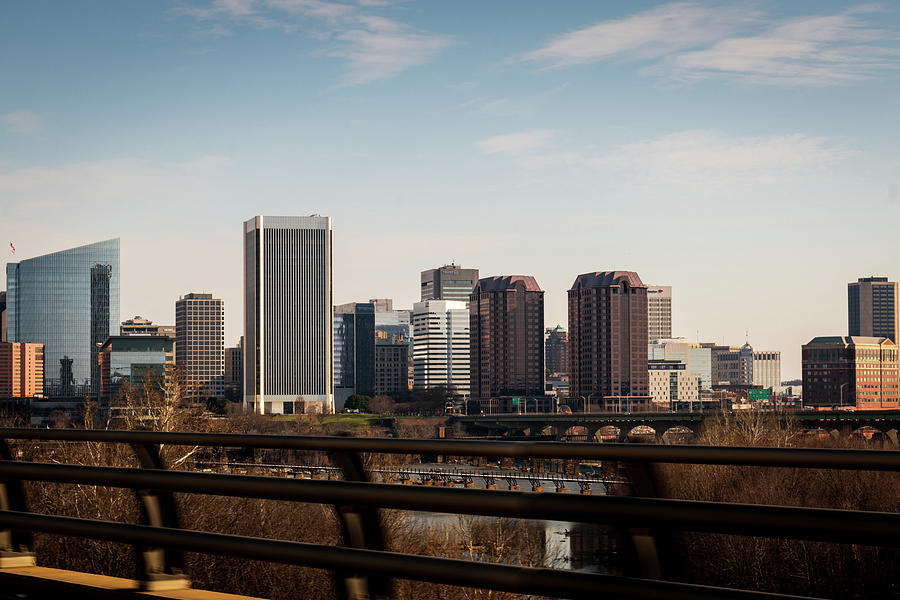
642, 433
677, 434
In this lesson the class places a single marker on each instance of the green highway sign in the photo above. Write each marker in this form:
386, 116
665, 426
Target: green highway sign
759, 394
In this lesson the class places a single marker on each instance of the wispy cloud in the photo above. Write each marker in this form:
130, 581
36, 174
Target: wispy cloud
647, 35
382, 48
689, 41
692, 158
374, 47
519, 143
22, 121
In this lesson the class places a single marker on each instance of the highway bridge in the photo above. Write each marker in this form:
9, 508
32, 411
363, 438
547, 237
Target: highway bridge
363, 568
588, 426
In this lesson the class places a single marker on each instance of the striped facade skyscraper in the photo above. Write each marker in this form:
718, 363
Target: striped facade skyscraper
288, 323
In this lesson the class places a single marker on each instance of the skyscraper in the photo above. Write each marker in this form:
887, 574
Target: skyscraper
288, 320
450, 282
556, 350
608, 340
2, 316
234, 371
659, 312
68, 301
872, 308
506, 329
200, 344
441, 345
354, 351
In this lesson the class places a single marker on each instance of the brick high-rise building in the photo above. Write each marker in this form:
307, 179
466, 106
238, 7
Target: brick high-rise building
608, 341
556, 350
200, 343
872, 307
506, 329
21, 370
851, 371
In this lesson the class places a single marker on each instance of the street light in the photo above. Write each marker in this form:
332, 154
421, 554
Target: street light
842, 393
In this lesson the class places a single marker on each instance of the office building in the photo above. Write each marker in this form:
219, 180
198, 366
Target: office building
506, 329
234, 371
69, 302
696, 357
141, 326
382, 304
136, 360
450, 282
354, 351
288, 320
858, 371
391, 369
608, 341
744, 366
659, 312
200, 344
556, 350
672, 387
2, 316
441, 345
21, 370
872, 308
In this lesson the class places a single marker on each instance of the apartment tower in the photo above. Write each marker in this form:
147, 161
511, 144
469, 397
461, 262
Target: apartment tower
288, 319
506, 329
608, 340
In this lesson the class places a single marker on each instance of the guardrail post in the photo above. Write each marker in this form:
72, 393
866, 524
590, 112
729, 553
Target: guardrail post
15, 546
650, 553
160, 568
362, 529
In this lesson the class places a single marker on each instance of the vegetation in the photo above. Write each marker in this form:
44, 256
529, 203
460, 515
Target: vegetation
358, 402
786, 566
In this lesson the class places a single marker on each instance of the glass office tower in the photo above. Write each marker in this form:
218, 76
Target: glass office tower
68, 301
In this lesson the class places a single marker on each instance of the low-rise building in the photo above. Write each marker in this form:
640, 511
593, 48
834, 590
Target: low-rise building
672, 387
858, 371
141, 326
137, 360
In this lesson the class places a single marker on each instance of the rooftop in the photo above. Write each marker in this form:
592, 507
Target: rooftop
849, 340
501, 283
608, 279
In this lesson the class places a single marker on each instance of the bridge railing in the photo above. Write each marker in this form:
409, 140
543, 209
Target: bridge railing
364, 568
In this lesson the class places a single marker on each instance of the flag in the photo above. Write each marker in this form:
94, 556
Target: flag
12, 248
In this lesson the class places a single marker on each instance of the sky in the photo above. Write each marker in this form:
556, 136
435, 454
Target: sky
744, 153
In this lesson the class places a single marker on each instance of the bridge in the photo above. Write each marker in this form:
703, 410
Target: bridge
562, 426
362, 566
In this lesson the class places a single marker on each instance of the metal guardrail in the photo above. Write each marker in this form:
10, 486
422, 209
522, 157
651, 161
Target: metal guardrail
363, 567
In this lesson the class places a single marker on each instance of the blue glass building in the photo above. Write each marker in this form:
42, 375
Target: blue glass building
68, 301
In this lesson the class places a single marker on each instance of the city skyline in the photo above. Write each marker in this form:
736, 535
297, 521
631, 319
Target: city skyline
429, 140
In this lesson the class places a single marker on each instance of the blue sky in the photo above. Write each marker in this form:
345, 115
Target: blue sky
745, 153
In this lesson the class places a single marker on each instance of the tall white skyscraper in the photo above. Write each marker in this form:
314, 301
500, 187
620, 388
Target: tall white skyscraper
288, 324
441, 345
659, 312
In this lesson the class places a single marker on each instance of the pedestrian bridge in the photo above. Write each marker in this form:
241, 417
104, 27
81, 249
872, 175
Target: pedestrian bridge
361, 565
557, 426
